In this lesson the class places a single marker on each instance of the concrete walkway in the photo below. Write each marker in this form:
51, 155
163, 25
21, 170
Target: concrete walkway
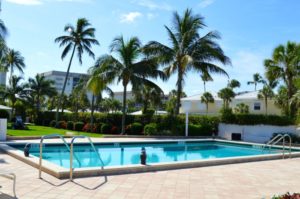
240, 181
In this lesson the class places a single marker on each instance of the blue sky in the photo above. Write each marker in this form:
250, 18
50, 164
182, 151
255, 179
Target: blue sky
249, 30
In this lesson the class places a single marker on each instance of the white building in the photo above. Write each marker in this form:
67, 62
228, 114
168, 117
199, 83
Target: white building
3, 78
59, 77
256, 106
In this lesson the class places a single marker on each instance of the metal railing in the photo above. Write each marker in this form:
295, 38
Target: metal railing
276, 140
41, 149
72, 151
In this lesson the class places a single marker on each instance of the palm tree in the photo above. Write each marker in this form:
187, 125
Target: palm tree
226, 94
207, 98
234, 84
205, 76
256, 80
80, 39
265, 94
284, 65
12, 91
14, 60
282, 101
129, 68
148, 96
96, 85
40, 87
188, 50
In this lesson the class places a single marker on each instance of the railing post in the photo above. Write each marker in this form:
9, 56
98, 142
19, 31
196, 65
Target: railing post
71, 161
41, 158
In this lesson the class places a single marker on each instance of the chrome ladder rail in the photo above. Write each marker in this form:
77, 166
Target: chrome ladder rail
72, 151
41, 149
277, 139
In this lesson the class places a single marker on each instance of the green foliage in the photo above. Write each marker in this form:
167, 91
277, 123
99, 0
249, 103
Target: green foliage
241, 109
136, 128
151, 129
52, 123
62, 125
106, 128
226, 94
149, 112
287, 196
226, 115
70, 125
78, 126
4, 114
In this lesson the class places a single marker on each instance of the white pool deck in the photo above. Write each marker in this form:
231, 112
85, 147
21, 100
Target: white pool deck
246, 180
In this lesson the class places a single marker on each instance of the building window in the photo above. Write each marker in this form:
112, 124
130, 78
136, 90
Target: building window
256, 106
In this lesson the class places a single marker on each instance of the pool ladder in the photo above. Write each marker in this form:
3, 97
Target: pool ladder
276, 140
72, 153
41, 149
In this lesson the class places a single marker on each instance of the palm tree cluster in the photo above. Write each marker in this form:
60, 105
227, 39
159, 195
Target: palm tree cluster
132, 64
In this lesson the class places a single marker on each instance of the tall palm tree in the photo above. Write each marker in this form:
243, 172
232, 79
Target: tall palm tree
80, 39
205, 76
207, 98
40, 87
266, 93
3, 30
284, 65
188, 50
14, 60
234, 84
12, 91
96, 85
256, 80
130, 67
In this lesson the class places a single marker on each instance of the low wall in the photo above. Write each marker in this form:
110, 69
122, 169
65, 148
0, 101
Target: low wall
253, 133
3, 129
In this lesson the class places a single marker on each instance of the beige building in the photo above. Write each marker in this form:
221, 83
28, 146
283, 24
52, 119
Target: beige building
256, 106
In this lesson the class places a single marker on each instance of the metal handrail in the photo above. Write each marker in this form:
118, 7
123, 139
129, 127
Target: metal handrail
275, 141
71, 153
41, 149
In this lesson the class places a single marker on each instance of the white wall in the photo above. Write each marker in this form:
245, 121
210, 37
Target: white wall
255, 133
3, 129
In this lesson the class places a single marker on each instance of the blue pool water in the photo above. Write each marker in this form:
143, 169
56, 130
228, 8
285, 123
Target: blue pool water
129, 154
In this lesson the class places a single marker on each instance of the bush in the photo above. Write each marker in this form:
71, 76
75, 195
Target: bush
70, 125
106, 129
4, 114
151, 129
288, 196
62, 125
136, 128
87, 127
115, 130
78, 126
97, 128
53, 123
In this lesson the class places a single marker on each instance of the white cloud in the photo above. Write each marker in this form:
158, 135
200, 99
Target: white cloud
205, 3
153, 5
39, 2
151, 16
130, 17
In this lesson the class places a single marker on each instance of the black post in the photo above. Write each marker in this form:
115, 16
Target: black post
143, 156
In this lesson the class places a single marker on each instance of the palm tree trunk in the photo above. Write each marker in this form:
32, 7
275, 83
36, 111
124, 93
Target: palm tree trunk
11, 74
206, 108
179, 91
204, 84
92, 113
124, 110
255, 86
64, 87
266, 105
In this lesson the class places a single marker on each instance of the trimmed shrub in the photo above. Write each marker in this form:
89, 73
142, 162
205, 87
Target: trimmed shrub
78, 126
62, 125
106, 129
4, 114
136, 128
97, 128
70, 125
87, 127
53, 123
151, 129
115, 130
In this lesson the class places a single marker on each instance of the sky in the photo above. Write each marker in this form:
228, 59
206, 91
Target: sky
250, 30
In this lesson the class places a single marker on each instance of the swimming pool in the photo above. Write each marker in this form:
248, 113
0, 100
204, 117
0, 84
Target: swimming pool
125, 154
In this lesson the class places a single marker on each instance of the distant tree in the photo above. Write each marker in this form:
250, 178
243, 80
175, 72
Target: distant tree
14, 60
207, 98
205, 76
80, 38
188, 50
282, 100
256, 80
226, 94
241, 108
171, 103
234, 84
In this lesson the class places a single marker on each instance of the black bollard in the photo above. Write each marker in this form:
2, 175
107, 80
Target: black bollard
143, 156
26, 149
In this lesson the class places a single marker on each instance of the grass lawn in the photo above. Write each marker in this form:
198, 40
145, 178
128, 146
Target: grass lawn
43, 130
